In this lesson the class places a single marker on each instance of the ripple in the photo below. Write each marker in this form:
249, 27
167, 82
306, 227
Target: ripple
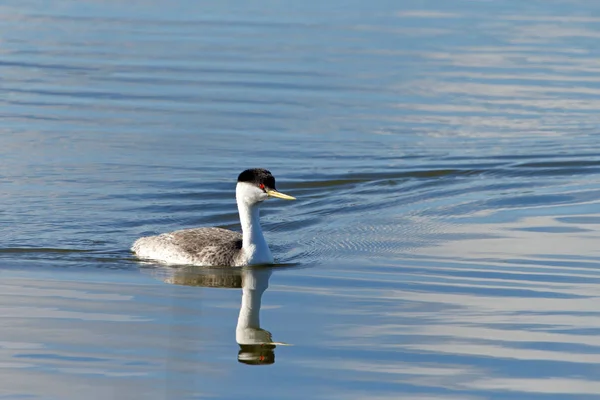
445, 239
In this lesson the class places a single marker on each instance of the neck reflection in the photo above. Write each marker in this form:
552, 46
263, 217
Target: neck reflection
256, 344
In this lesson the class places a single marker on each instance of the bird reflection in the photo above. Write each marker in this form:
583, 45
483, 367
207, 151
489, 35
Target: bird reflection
256, 344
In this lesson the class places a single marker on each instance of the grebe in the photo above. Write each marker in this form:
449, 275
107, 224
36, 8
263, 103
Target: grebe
217, 246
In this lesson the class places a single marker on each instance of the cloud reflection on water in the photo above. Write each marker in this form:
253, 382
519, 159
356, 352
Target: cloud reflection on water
516, 312
443, 267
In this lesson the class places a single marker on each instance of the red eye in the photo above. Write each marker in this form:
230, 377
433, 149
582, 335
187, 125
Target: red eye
262, 186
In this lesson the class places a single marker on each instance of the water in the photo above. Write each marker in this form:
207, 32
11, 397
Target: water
445, 158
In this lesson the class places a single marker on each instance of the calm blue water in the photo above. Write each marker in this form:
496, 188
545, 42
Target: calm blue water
445, 158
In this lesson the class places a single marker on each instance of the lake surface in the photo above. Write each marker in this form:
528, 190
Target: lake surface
445, 241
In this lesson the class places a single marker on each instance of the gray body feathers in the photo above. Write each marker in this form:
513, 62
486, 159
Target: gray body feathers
198, 246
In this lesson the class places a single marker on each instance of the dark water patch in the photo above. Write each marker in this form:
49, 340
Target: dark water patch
571, 154
203, 69
559, 347
572, 164
327, 183
33, 250
580, 220
561, 264
530, 200
122, 106
37, 66
174, 209
151, 22
59, 357
419, 174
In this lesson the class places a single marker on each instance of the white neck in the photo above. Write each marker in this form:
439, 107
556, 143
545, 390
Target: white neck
250, 220
254, 245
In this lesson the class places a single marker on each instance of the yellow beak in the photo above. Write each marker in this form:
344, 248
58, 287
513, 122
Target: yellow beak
275, 193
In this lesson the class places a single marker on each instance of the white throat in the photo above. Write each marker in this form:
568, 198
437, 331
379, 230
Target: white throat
254, 246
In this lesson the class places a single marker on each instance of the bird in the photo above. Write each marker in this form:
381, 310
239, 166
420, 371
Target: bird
212, 246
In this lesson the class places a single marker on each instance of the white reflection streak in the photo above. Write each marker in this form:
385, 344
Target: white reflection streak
555, 385
425, 374
508, 107
522, 242
497, 351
